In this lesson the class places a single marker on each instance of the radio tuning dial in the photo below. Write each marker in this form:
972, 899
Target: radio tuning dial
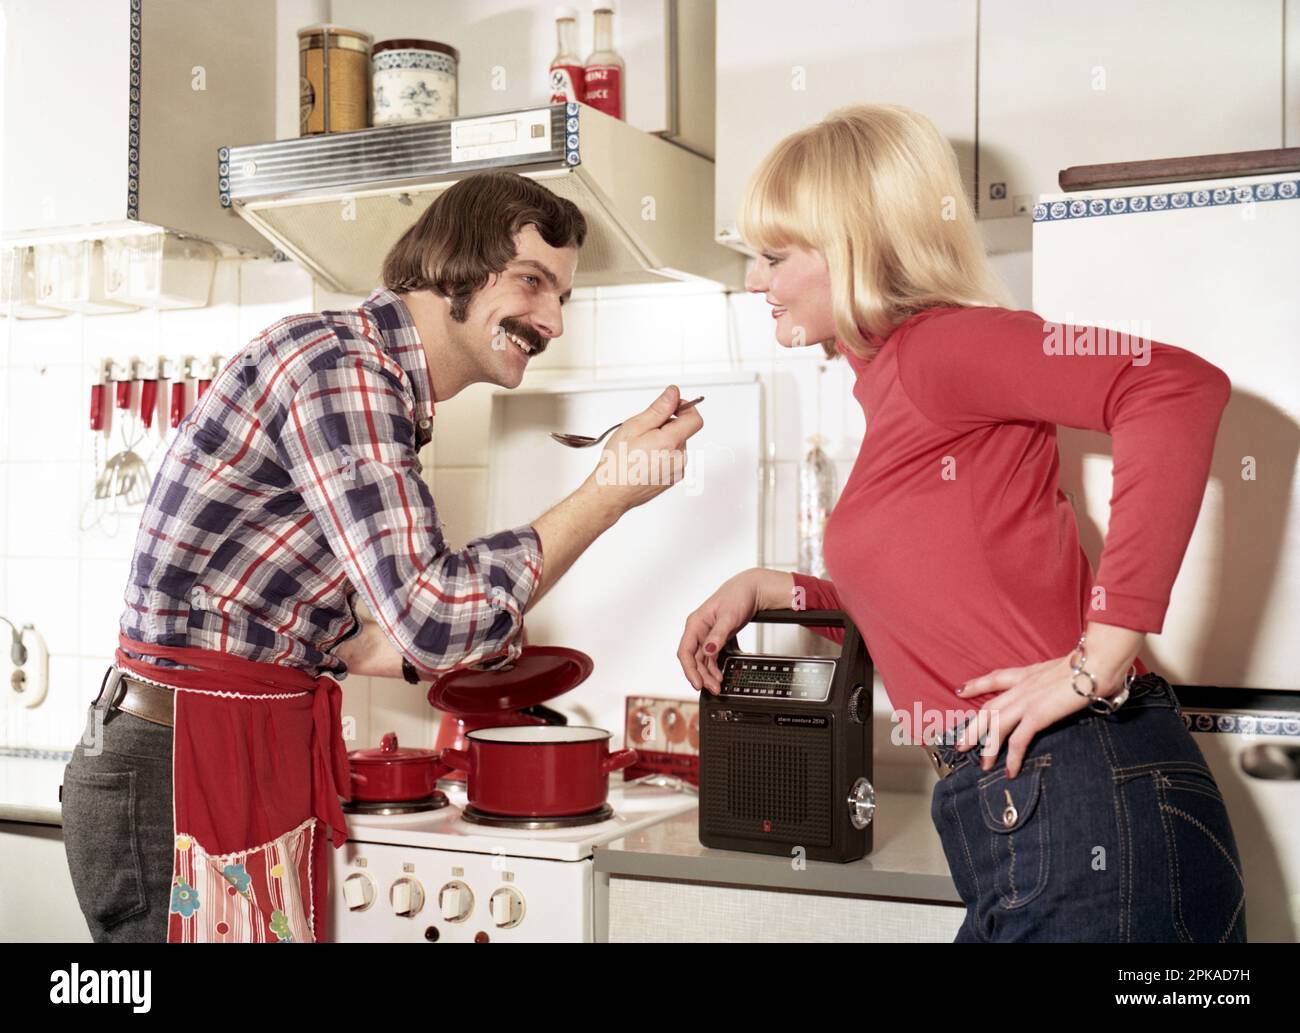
858, 700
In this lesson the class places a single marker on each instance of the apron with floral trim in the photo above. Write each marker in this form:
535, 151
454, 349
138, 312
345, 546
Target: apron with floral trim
258, 767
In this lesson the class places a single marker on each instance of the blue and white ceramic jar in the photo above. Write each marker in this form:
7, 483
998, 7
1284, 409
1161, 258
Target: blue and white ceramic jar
412, 80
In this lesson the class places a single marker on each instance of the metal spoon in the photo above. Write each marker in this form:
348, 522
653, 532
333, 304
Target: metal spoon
583, 441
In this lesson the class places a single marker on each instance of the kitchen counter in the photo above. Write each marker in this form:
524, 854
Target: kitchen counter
907, 860
29, 785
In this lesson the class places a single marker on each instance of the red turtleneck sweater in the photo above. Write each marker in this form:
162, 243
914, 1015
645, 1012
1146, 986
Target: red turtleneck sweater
953, 548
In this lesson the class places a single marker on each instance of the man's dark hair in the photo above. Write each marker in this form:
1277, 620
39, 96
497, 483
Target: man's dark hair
468, 232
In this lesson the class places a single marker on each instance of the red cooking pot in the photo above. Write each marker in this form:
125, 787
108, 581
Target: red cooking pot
453, 728
394, 773
538, 771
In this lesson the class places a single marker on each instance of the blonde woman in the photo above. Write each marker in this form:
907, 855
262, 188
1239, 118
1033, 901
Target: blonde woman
1071, 806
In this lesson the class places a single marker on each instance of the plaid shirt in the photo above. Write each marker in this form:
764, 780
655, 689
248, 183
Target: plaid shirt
294, 484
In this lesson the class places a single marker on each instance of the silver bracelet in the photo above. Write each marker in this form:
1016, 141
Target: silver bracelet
1096, 703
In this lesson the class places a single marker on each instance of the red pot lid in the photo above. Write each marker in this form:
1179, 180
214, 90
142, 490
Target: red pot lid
390, 753
540, 673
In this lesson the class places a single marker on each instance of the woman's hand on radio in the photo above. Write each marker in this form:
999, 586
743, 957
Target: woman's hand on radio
724, 613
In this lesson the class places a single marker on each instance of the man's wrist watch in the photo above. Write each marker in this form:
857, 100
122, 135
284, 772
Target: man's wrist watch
409, 672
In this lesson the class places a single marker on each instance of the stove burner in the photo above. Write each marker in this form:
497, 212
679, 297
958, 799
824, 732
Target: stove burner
502, 821
434, 802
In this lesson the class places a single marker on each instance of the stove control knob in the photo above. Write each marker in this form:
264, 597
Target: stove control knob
358, 891
507, 907
407, 897
456, 901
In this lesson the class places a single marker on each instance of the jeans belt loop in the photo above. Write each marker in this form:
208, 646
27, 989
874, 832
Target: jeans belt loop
109, 689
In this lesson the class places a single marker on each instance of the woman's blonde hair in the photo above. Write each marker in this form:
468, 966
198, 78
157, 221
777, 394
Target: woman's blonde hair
876, 189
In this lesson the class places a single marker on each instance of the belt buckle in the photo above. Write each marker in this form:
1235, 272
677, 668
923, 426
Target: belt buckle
942, 768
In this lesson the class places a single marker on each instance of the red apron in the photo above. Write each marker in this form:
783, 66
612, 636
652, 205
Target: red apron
258, 766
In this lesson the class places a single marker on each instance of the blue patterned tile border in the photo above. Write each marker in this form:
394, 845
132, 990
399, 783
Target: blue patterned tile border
1086, 208
1239, 711
29, 753
1242, 724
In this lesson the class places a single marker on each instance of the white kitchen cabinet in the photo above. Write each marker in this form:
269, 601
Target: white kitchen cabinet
780, 69
1121, 81
652, 911
113, 111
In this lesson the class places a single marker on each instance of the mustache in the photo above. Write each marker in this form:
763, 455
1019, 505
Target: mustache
526, 333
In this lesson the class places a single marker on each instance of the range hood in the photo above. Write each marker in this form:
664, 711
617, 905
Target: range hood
337, 203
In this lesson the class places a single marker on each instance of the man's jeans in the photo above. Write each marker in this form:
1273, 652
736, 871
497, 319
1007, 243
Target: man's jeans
117, 824
1113, 831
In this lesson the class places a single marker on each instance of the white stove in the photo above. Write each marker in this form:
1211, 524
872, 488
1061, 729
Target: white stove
433, 876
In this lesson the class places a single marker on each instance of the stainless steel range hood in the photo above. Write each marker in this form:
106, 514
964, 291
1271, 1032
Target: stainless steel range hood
337, 203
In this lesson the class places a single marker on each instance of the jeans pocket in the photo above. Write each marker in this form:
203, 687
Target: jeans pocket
1207, 890
1016, 816
102, 844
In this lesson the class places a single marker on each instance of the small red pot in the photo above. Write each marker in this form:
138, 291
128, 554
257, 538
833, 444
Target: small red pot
538, 771
394, 772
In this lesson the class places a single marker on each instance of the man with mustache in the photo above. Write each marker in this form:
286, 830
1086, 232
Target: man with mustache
206, 806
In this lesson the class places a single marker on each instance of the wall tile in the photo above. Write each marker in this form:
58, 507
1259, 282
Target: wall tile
781, 547
396, 706
704, 329
44, 505
576, 347
637, 331
460, 495
461, 427
48, 412
48, 342
269, 291
46, 593
103, 590
356, 712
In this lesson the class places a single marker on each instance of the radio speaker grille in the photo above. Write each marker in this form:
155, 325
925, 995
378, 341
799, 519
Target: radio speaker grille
769, 781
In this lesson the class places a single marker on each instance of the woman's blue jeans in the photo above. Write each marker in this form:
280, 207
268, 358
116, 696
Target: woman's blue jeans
1114, 831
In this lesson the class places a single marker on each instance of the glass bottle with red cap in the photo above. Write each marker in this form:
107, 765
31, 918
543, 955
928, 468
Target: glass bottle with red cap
567, 71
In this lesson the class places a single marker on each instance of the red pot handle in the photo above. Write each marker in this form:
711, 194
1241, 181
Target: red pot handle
617, 761
457, 760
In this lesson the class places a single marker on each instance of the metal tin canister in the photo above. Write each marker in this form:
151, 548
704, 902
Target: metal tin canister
413, 80
333, 79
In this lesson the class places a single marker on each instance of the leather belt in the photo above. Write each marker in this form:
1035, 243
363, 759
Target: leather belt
149, 702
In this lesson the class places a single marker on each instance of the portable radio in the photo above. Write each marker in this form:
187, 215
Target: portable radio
785, 749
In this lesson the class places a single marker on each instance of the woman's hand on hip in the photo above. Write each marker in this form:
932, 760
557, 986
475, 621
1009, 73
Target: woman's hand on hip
1035, 697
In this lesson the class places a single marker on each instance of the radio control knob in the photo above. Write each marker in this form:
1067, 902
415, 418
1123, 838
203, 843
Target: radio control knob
858, 701
862, 804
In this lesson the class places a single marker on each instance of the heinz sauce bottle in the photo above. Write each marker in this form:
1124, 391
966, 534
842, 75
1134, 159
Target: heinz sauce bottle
566, 70
603, 76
